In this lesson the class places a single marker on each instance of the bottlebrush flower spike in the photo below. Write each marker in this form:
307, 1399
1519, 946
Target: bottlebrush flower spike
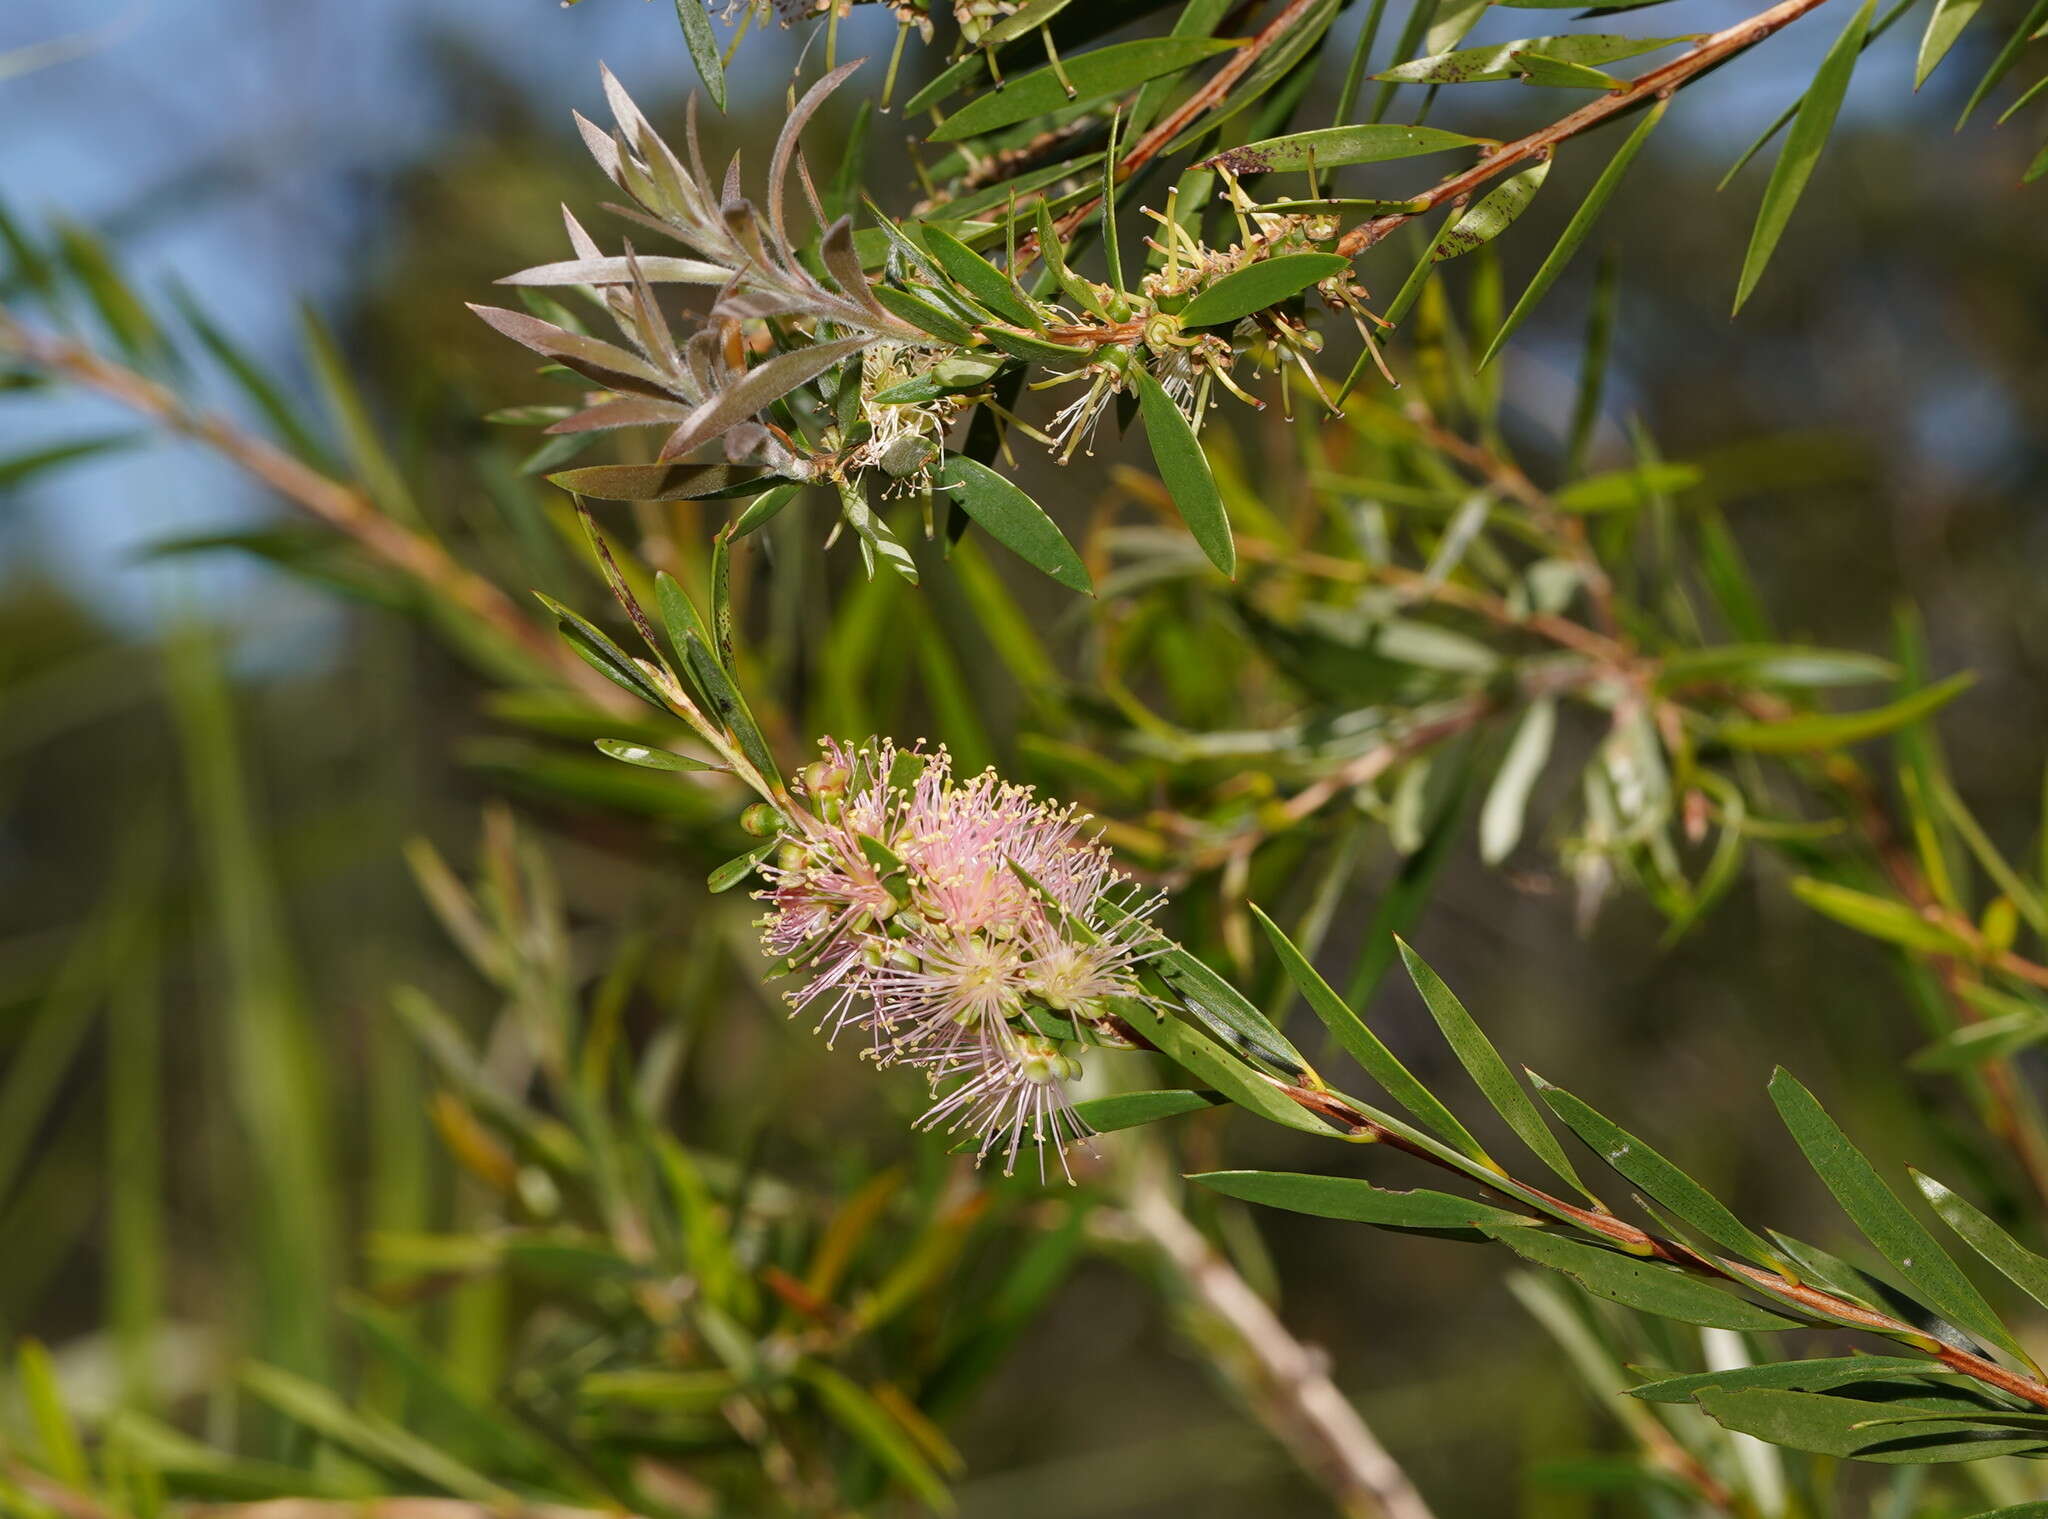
967, 927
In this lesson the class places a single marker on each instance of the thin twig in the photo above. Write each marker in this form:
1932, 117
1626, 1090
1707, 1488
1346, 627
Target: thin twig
1711, 53
340, 506
1339, 1111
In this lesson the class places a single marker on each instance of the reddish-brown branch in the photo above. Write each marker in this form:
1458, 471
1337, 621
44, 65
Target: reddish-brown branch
1710, 53
1336, 1110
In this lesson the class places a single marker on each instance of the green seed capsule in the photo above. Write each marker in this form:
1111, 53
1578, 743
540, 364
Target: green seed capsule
761, 820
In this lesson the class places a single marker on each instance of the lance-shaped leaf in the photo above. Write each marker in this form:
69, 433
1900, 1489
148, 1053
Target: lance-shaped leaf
1943, 28
625, 750
763, 508
1094, 74
1546, 72
620, 271
1841, 1427
859, 1413
600, 362
1499, 61
925, 316
1488, 1071
1640, 1284
1793, 1376
981, 279
660, 482
1335, 147
1492, 215
1364, 1046
1773, 664
2019, 1265
1803, 144
1661, 1181
738, 868
1576, 229
1876, 1210
760, 387
1830, 730
2001, 65
1127, 1110
1882, 918
1225, 1012
697, 652
1014, 520
1507, 799
702, 42
1185, 470
1257, 286
1213, 1065
602, 655
1358, 1201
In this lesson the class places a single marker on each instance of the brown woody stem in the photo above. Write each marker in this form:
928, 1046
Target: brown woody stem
1710, 53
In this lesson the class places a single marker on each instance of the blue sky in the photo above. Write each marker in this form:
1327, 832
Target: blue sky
275, 116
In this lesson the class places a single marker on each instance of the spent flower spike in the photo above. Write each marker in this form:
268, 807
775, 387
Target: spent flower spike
969, 928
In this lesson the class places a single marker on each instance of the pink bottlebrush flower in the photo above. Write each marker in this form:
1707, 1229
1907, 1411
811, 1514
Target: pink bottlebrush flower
973, 931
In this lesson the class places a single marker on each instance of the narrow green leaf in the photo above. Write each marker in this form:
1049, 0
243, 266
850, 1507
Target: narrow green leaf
694, 646
1336, 147
1225, 1011
1779, 122
1014, 520
1832, 730
1546, 72
981, 279
62, 1449
2019, 1265
651, 759
1975, 1043
1773, 664
1877, 1211
703, 45
956, 76
1643, 1285
738, 868
924, 316
1257, 286
1364, 1046
1787, 1376
870, 1423
1094, 74
1577, 229
1127, 1110
1033, 15
1625, 488
367, 1435
1213, 1065
1507, 799
1943, 28
1830, 1426
1500, 60
602, 655
1357, 1201
1488, 1071
2001, 65
763, 508
661, 482
1185, 470
1493, 213
1661, 1181
1803, 144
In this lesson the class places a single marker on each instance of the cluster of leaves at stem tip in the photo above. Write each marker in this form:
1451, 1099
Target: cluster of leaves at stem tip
845, 356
